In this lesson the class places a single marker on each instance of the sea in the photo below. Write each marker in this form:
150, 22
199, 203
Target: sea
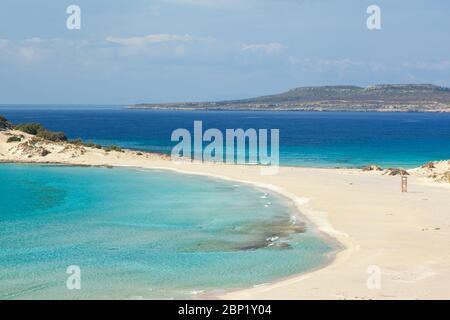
312, 139
98, 233
69, 232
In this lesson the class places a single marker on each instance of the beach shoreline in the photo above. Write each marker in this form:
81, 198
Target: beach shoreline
364, 211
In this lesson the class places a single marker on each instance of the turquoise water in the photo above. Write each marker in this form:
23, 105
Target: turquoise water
143, 234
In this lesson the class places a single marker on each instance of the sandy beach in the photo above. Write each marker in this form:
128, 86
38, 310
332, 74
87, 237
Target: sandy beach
405, 235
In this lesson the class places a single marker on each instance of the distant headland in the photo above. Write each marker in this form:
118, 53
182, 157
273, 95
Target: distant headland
377, 98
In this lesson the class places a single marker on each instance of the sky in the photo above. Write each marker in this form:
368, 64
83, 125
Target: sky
138, 51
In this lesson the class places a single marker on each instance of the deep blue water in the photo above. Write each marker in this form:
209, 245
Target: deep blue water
307, 139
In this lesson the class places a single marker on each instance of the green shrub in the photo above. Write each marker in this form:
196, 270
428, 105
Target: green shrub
4, 123
30, 128
14, 139
77, 142
90, 144
38, 130
113, 148
52, 136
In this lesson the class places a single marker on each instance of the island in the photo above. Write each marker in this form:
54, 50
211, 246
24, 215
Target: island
377, 98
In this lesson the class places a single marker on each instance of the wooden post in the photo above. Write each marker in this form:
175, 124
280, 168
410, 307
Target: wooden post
404, 184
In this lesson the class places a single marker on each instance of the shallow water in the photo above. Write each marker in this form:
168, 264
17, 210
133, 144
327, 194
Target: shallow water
143, 234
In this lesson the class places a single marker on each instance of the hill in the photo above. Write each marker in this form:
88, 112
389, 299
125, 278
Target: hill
386, 97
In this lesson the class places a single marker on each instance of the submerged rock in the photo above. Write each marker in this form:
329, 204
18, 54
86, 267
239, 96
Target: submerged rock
282, 245
254, 235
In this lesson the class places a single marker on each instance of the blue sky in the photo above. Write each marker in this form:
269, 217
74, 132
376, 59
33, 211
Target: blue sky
176, 50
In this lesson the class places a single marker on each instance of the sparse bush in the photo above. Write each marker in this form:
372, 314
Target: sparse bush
429, 165
90, 144
39, 131
372, 167
14, 139
396, 172
4, 123
30, 128
113, 148
77, 142
52, 136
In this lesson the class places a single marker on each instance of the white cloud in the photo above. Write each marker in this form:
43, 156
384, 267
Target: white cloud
26, 51
162, 45
439, 65
150, 39
341, 65
337, 63
44, 51
323, 63
214, 3
267, 48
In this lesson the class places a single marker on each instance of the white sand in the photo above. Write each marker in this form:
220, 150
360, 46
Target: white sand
406, 235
